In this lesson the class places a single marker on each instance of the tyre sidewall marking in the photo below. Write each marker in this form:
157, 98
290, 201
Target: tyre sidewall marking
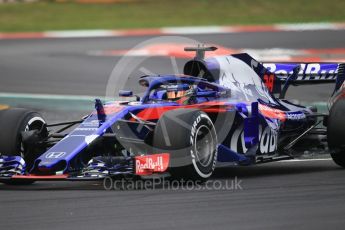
196, 123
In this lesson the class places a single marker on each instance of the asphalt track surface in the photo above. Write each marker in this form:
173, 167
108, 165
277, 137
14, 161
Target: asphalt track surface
293, 195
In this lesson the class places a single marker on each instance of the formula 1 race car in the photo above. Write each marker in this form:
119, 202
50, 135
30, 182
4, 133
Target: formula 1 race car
223, 110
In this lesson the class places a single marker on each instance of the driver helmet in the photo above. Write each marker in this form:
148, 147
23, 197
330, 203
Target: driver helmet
175, 92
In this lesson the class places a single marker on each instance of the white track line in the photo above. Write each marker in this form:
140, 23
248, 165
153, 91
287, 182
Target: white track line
193, 30
307, 26
80, 33
55, 97
48, 96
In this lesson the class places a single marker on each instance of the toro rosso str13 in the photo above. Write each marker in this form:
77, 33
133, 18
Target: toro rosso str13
223, 110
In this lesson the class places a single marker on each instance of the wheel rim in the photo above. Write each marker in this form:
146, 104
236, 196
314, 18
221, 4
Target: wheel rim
32, 124
203, 146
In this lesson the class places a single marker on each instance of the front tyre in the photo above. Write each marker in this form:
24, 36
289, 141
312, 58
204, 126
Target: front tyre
13, 124
190, 138
336, 132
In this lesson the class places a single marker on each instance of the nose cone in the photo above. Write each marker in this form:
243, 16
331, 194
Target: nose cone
51, 167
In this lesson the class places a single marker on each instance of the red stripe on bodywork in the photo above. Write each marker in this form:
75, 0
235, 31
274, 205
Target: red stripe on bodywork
39, 177
272, 113
207, 107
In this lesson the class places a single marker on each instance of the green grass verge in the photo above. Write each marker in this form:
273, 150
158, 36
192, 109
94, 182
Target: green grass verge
48, 15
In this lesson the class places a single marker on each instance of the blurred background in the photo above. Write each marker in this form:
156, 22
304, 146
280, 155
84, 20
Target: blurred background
60, 54
39, 15
57, 56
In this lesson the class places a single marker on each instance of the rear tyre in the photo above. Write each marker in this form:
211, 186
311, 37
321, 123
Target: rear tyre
13, 123
190, 138
336, 132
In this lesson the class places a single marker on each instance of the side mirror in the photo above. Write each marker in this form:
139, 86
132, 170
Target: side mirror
125, 93
128, 93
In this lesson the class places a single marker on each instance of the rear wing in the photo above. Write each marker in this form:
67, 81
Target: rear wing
308, 73
278, 76
286, 74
